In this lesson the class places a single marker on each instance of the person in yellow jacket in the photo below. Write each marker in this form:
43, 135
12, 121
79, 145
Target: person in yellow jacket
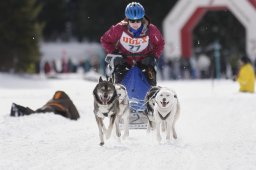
246, 75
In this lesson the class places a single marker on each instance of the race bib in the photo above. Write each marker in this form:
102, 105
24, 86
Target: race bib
134, 45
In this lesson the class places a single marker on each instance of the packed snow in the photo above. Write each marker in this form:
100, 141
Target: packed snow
216, 130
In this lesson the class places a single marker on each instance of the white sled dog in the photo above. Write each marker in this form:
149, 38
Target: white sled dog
124, 109
106, 105
166, 113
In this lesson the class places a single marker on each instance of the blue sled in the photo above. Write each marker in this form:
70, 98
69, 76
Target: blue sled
137, 86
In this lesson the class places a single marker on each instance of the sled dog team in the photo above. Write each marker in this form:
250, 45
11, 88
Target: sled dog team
111, 101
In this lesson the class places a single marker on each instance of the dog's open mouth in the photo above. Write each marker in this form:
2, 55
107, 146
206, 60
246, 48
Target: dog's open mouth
164, 103
104, 100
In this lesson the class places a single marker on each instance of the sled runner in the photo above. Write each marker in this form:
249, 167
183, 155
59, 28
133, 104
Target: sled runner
137, 86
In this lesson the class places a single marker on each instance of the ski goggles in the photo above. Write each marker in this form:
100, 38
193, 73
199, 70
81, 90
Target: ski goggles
133, 21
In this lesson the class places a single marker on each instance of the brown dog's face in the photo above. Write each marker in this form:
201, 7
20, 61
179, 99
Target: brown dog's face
105, 92
166, 98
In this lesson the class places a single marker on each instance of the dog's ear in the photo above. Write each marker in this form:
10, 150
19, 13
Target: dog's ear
175, 94
100, 79
96, 97
94, 92
157, 97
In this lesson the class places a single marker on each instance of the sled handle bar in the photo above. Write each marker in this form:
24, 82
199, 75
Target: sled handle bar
110, 58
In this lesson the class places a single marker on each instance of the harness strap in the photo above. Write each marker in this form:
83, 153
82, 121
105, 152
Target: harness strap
150, 98
123, 101
106, 114
164, 118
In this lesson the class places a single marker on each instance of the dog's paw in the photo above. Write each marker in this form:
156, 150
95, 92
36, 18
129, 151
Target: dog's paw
101, 143
118, 135
169, 141
174, 135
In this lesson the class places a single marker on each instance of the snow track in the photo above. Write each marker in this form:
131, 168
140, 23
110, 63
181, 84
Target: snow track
216, 131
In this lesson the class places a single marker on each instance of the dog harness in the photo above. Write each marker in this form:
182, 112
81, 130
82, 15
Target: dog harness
164, 118
104, 110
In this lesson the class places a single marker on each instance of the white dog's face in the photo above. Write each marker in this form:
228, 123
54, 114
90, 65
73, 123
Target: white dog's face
166, 98
121, 92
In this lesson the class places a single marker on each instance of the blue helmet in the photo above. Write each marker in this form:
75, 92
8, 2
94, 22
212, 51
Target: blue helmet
134, 11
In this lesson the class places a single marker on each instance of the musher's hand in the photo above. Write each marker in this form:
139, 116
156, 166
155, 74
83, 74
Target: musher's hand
149, 60
119, 61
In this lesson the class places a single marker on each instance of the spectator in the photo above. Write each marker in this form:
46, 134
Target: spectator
47, 67
204, 65
246, 75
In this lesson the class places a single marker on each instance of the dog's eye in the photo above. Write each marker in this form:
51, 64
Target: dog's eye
118, 95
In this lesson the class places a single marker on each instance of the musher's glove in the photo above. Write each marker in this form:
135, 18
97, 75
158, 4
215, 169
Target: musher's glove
119, 61
149, 60
116, 51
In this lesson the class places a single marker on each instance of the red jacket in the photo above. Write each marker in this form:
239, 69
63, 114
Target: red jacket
150, 41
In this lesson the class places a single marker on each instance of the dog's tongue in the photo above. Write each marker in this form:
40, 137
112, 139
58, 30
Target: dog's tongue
104, 100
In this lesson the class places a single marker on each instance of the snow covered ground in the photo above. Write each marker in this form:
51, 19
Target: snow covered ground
216, 130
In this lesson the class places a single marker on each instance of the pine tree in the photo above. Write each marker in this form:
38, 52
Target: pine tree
19, 35
55, 14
